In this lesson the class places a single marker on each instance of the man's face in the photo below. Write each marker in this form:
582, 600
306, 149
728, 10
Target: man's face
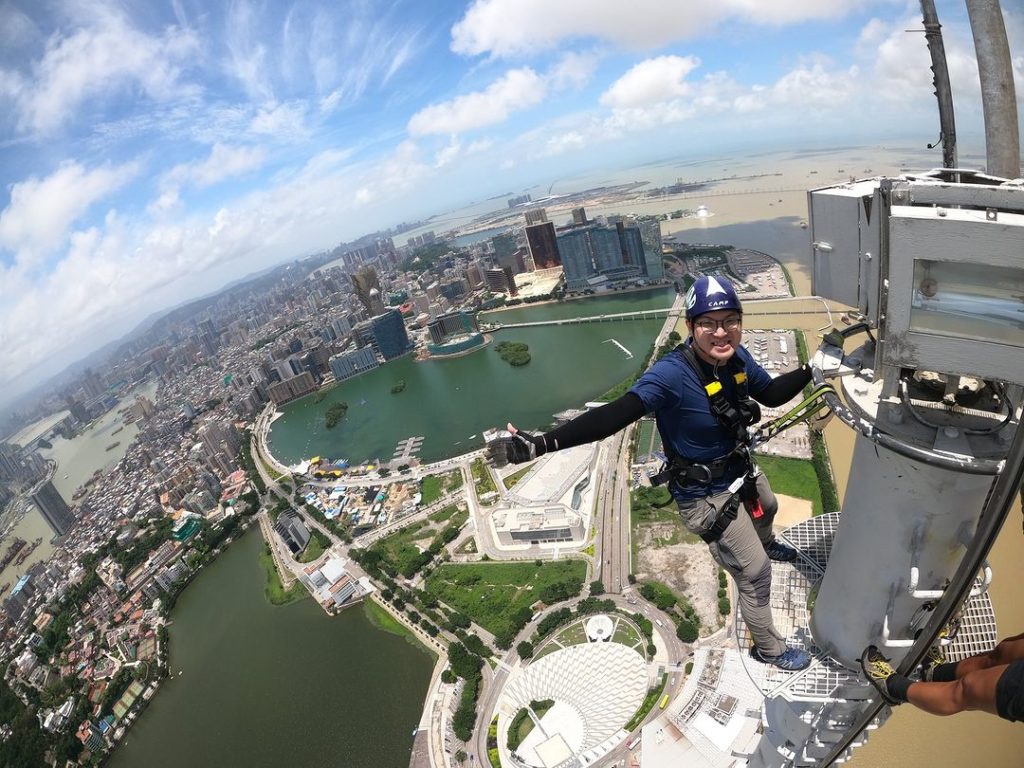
716, 334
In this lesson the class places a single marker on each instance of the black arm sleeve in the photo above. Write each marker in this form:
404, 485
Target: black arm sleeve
596, 424
784, 387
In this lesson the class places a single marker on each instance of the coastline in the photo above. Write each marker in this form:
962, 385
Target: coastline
601, 295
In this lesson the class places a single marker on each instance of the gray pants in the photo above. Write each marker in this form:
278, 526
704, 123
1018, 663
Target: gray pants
740, 551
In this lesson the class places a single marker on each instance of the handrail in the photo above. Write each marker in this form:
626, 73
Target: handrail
868, 428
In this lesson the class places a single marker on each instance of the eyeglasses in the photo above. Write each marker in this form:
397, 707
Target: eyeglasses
707, 325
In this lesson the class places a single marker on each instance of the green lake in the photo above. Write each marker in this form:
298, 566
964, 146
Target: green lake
268, 686
451, 402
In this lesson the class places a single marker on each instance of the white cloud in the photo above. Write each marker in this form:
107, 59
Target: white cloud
283, 121
516, 90
125, 267
43, 209
511, 27
447, 154
247, 59
17, 30
223, 162
652, 81
573, 70
95, 62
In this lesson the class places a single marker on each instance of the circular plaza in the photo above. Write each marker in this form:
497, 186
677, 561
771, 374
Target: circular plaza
575, 697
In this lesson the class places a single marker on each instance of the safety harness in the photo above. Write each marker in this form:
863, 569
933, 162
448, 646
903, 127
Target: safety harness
736, 418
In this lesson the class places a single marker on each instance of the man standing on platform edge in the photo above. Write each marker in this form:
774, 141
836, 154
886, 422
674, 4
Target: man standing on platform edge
700, 395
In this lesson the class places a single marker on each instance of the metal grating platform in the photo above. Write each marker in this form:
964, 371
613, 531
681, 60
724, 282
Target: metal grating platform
793, 585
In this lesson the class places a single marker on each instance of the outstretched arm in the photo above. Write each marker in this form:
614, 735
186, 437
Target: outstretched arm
783, 388
592, 425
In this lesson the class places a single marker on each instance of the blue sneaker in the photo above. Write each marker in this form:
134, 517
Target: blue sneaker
791, 660
780, 552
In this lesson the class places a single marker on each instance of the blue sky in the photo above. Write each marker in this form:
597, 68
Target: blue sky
150, 152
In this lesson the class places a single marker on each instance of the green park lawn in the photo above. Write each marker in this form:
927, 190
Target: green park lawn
435, 486
274, 590
399, 549
482, 478
516, 476
492, 593
792, 477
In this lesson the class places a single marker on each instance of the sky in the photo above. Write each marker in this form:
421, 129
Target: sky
151, 152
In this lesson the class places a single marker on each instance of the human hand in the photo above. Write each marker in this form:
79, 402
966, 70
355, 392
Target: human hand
523, 446
828, 359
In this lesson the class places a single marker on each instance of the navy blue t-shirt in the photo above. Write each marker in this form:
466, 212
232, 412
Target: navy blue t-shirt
672, 391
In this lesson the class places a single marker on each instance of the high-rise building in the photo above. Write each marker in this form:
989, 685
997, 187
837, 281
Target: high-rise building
453, 290
632, 245
351, 363
77, 410
543, 244
292, 530
577, 259
390, 336
341, 327
53, 507
536, 216
504, 246
93, 384
650, 235
289, 389
579, 216
364, 280
452, 324
497, 280
606, 248
475, 276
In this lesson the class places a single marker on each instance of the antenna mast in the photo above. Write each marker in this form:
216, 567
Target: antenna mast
940, 78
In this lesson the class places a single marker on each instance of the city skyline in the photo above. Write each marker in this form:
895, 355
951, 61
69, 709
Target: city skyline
221, 142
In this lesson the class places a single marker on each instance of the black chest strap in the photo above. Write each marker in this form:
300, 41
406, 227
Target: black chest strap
734, 417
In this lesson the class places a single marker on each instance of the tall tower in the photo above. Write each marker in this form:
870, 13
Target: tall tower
364, 280
536, 216
53, 508
932, 394
543, 245
650, 234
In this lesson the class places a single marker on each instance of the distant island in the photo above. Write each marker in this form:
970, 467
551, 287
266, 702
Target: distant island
336, 413
513, 352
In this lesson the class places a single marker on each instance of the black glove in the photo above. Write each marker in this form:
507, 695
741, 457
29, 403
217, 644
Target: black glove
522, 447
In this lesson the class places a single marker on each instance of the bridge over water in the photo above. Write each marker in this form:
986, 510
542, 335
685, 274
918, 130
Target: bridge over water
650, 314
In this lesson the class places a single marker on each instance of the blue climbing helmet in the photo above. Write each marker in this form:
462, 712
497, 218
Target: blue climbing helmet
708, 294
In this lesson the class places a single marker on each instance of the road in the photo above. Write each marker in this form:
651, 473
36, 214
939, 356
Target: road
611, 548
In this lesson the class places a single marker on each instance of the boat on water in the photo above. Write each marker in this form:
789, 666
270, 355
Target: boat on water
26, 551
112, 446
16, 546
65, 477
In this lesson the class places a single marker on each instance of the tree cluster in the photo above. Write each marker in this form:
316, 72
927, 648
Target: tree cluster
513, 352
